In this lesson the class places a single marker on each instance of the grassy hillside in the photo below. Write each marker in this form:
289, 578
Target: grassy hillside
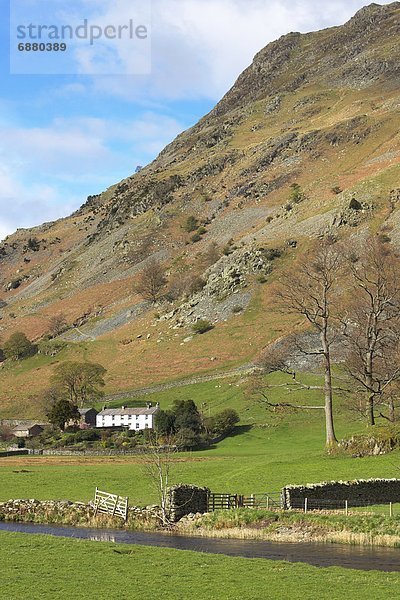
319, 110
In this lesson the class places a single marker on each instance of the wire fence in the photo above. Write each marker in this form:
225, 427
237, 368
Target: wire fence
273, 501
347, 507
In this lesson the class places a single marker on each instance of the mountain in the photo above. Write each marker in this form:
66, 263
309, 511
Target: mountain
306, 142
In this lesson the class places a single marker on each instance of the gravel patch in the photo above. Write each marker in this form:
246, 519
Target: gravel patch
95, 330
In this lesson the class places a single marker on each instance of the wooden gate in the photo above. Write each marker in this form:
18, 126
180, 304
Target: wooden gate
222, 501
110, 504
218, 501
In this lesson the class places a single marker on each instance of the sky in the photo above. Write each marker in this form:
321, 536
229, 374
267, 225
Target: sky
74, 123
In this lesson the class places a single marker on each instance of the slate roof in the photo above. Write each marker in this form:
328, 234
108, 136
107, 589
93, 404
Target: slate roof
128, 411
26, 427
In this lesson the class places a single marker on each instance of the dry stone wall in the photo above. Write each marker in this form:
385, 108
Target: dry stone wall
333, 494
71, 513
182, 500
187, 499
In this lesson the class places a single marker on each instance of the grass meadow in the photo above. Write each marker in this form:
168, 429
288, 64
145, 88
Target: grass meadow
43, 567
267, 451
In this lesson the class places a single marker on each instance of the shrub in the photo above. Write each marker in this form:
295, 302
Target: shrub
33, 244
225, 421
202, 326
6, 433
272, 253
191, 224
87, 435
185, 285
211, 255
296, 195
195, 238
237, 309
194, 284
18, 346
384, 238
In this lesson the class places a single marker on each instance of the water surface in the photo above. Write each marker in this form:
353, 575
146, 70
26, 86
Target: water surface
321, 555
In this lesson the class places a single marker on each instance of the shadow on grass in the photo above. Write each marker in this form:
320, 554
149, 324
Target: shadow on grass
238, 430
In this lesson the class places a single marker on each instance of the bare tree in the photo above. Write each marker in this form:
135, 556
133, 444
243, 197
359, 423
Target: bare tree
158, 461
310, 290
371, 323
57, 324
151, 281
391, 399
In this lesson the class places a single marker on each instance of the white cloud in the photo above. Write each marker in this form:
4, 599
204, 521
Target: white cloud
41, 168
199, 49
201, 46
22, 206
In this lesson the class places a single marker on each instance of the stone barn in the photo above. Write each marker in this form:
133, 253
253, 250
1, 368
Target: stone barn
87, 417
27, 431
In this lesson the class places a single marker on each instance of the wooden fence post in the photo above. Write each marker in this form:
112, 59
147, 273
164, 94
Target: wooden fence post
390, 509
267, 502
346, 504
305, 505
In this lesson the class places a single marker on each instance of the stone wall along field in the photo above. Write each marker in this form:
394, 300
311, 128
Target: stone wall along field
334, 494
64, 512
187, 499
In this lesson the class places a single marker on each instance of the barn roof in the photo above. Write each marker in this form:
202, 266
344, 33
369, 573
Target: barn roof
26, 427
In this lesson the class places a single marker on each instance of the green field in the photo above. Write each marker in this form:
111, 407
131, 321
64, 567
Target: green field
39, 567
268, 451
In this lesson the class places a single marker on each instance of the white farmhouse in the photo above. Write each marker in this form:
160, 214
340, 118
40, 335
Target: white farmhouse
135, 419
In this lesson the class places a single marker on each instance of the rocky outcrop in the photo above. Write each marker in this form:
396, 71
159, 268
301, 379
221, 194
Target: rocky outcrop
224, 292
373, 444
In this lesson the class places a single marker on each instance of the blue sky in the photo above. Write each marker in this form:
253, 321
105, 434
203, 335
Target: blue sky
63, 137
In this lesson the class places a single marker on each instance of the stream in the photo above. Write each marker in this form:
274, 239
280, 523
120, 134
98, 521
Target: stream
320, 555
